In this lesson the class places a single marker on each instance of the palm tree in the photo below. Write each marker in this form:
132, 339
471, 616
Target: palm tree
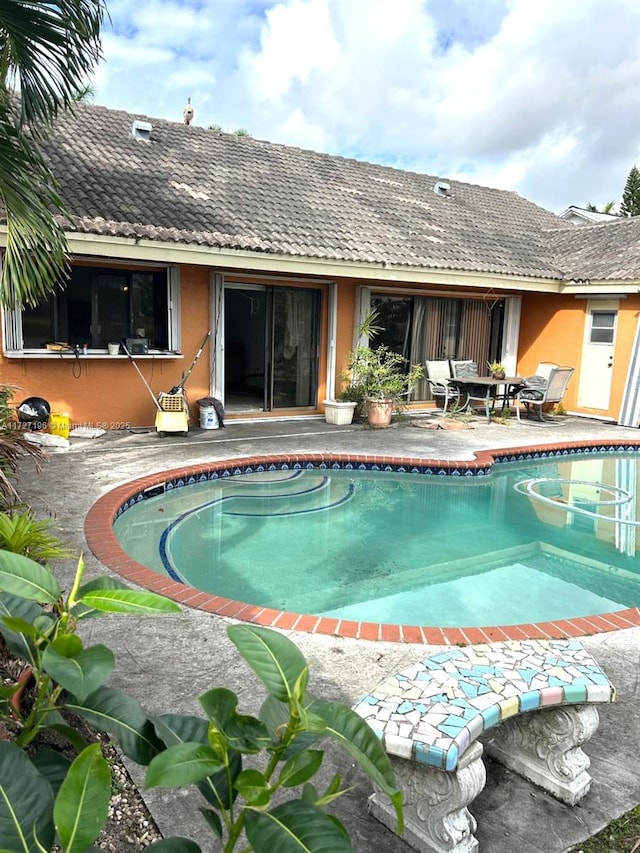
606, 208
47, 52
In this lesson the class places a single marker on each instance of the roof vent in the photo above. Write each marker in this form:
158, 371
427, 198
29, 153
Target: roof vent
441, 188
141, 129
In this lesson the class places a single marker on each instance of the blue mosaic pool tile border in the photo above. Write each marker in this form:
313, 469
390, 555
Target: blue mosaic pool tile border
533, 455
428, 469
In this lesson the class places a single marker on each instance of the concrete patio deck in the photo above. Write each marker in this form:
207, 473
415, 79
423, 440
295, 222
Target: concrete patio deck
166, 662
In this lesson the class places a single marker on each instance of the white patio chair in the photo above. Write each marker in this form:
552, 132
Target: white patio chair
438, 375
537, 392
544, 368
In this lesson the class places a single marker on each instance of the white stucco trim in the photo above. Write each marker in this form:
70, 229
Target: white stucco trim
332, 328
152, 251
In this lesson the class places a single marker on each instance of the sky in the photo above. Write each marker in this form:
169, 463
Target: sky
541, 97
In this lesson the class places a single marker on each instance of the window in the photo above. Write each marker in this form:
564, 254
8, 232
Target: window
98, 305
603, 324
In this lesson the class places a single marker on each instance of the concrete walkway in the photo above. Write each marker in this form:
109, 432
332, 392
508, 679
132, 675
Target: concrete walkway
166, 662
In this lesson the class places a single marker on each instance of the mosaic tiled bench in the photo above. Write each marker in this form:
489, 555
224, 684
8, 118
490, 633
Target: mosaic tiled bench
433, 712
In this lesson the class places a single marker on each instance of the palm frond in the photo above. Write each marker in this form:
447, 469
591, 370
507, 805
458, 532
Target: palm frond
13, 448
48, 51
36, 256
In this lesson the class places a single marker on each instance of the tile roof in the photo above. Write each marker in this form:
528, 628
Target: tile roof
607, 251
190, 185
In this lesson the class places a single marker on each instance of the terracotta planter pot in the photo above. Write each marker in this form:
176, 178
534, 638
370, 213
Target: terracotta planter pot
379, 413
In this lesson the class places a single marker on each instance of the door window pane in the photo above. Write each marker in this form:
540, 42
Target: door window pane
295, 329
602, 327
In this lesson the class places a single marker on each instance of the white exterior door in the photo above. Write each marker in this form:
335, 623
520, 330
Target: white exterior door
596, 369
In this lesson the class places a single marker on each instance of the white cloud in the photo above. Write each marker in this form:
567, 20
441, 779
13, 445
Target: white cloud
538, 96
296, 40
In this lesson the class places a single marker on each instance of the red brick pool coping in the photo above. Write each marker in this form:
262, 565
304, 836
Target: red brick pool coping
104, 544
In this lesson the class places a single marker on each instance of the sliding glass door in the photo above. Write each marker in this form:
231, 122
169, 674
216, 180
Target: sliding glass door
271, 347
434, 328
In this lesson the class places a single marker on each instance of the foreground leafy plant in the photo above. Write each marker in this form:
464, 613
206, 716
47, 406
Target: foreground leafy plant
210, 753
42, 794
45, 799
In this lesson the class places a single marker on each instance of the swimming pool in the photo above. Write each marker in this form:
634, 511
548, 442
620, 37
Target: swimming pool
540, 538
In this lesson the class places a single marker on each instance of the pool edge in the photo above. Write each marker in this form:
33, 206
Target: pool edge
98, 528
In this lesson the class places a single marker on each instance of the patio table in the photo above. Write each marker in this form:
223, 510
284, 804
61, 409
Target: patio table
473, 385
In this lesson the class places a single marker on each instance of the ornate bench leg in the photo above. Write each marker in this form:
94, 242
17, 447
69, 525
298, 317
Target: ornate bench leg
435, 803
544, 747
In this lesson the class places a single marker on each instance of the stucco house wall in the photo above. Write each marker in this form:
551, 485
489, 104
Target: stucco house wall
106, 392
227, 209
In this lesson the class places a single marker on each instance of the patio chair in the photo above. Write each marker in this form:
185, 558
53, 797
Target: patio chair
544, 368
463, 369
482, 395
438, 376
538, 391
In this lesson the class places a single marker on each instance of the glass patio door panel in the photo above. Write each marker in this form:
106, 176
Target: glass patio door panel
270, 347
294, 346
435, 328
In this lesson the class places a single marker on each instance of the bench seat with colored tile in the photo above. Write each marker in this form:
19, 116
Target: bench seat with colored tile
430, 716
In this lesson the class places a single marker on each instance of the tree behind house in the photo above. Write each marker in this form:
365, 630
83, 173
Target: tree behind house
630, 205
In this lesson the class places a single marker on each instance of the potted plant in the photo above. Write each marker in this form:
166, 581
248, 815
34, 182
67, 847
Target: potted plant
339, 411
497, 369
377, 378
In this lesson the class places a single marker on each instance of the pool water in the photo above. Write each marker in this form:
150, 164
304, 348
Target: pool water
547, 541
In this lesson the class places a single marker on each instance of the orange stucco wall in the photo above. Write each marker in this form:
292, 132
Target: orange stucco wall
345, 327
552, 329
107, 392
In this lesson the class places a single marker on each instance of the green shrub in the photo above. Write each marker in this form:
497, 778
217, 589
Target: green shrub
44, 799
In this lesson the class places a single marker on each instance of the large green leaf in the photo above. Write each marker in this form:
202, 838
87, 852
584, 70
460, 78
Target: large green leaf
360, 741
276, 661
128, 601
181, 728
242, 732
26, 803
20, 608
111, 710
295, 827
80, 610
300, 768
80, 671
22, 576
182, 764
218, 788
82, 805
53, 765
